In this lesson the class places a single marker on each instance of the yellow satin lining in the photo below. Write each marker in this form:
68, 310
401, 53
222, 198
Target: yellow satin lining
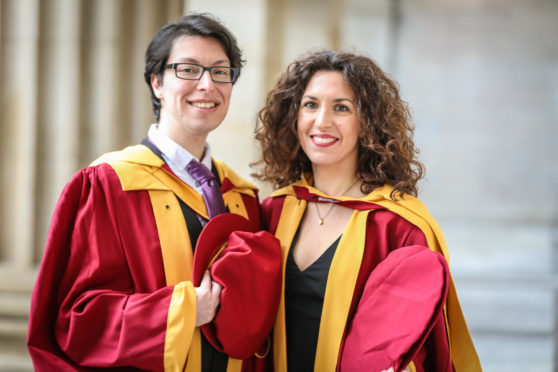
233, 200
188, 195
340, 288
181, 320
177, 262
234, 365
194, 354
140, 169
173, 235
144, 160
339, 291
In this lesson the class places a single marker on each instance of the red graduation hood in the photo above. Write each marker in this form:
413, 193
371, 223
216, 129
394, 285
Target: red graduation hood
247, 263
402, 299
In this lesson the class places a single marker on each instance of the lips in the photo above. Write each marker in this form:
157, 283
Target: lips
203, 104
323, 140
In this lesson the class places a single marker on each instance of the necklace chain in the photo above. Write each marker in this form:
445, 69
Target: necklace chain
320, 218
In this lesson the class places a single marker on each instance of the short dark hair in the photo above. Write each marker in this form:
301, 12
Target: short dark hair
386, 155
194, 24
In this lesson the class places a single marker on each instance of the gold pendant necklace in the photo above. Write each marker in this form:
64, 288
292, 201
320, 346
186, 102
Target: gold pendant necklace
320, 218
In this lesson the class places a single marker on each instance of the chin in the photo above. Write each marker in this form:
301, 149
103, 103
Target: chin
321, 162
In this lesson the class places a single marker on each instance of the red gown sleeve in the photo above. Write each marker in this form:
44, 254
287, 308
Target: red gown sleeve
386, 232
100, 298
434, 355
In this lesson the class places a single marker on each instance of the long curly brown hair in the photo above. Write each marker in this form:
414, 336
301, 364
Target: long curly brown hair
386, 155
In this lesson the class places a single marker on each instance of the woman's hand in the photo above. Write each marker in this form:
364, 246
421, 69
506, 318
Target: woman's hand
208, 296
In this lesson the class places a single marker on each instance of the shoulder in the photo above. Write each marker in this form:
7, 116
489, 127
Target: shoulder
394, 227
138, 154
86, 189
110, 173
96, 176
91, 186
415, 212
406, 206
134, 166
388, 217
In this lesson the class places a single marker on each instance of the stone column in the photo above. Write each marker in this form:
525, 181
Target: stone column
72, 88
59, 80
19, 75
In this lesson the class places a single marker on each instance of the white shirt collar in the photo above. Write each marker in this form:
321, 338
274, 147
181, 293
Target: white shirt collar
175, 155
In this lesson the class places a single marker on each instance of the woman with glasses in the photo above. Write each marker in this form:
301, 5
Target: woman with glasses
365, 285
115, 288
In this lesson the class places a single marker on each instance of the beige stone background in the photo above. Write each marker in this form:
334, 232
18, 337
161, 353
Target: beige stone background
481, 77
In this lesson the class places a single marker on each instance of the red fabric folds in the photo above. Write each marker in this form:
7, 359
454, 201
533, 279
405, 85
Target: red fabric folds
249, 269
100, 299
402, 300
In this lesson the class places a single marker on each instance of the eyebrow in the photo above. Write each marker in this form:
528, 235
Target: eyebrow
192, 60
341, 99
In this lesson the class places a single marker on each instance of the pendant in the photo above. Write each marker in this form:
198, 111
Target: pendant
321, 221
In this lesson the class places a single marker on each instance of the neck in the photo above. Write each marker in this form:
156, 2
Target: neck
335, 183
195, 145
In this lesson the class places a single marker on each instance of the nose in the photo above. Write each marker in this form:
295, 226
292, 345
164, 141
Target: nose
205, 82
323, 118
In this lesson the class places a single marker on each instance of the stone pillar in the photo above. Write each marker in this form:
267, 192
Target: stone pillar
59, 72
72, 88
19, 75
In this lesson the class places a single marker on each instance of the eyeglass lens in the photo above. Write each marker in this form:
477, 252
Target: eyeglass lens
194, 72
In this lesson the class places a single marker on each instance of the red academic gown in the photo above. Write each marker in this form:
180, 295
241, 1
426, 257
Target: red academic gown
378, 226
114, 288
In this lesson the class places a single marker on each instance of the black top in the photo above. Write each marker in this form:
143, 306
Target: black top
304, 298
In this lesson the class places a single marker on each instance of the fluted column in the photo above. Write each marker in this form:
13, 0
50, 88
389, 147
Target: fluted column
106, 81
72, 88
274, 43
59, 69
19, 75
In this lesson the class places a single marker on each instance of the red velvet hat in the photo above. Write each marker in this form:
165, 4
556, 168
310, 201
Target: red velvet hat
401, 301
247, 263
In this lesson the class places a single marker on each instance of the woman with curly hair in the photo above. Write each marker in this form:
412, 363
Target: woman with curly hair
366, 286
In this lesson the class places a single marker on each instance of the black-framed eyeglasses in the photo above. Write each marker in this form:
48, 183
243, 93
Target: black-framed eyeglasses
192, 71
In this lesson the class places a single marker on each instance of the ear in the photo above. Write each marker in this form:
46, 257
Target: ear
156, 84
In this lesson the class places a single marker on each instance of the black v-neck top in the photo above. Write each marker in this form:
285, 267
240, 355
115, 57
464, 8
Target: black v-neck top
304, 298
